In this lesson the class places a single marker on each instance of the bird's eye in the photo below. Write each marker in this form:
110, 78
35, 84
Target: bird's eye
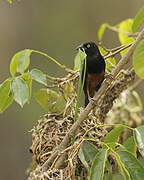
88, 46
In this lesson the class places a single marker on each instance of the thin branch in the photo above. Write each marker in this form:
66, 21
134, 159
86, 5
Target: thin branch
124, 60
113, 49
122, 47
66, 141
55, 61
115, 29
117, 50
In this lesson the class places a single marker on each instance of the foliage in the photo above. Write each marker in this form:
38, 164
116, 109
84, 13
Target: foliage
138, 20
138, 62
60, 94
19, 86
129, 166
10, 1
21, 60
125, 30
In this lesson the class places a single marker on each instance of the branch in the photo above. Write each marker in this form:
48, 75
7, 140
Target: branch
55, 61
124, 79
117, 50
115, 29
72, 132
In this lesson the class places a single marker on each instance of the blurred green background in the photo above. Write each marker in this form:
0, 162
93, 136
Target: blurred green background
55, 27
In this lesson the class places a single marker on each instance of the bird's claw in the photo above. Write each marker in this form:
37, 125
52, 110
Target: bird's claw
92, 100
109, 76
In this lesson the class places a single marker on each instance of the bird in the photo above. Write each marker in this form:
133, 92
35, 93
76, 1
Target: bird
95, 70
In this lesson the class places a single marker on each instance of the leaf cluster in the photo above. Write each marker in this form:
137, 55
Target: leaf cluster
127, 31
98, 161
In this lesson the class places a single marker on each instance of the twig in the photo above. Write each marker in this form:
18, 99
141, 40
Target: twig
65, 142
117, 50
57, 82
113, 49
55, 61
113, 28
128, 54
53, 79
122, 47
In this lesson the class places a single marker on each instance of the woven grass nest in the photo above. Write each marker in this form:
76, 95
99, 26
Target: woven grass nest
47, 134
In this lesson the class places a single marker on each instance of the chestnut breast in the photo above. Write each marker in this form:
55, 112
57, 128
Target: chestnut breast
92, 81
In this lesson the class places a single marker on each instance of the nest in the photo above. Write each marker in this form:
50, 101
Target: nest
58, 174
48, 133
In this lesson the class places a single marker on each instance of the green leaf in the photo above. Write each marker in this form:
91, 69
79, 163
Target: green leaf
139, 138
20, 61
98, 166
110, 62
108, 174
133, 166
138, 59
124, 172
10, 1
130, 145
39, 76
6, 97
50, 100
80, 64
138, 20
20, 90
28, 80
79, 59
68, 90
125, 27
87, 153
113, 136
82, 158
13, 65
101, 31
116, 176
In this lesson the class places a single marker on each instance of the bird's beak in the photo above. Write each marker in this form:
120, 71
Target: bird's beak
79, 47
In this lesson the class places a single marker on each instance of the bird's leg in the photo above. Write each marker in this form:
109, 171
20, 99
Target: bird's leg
89, 98
93, 100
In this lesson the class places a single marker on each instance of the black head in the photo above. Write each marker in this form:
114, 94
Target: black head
90, 48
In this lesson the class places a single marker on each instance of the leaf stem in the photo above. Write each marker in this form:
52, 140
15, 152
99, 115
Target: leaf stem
54, 60
122, 125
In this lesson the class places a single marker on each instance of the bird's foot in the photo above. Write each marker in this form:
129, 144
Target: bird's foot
109, 76
92, 100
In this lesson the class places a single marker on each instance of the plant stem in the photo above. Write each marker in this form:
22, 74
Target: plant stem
54, 60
